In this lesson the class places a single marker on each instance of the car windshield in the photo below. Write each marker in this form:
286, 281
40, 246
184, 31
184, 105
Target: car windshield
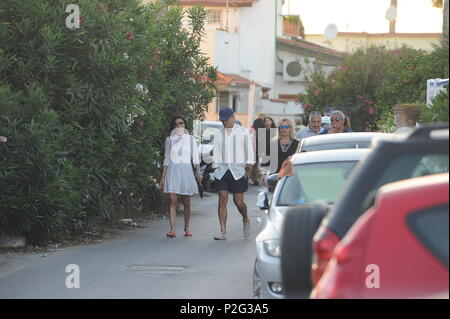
335, 146
315, 181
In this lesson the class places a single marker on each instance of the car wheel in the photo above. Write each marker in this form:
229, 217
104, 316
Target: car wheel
256, 283
300, 225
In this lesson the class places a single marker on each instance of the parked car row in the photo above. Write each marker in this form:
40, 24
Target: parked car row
311, 249
317, 175
398, 248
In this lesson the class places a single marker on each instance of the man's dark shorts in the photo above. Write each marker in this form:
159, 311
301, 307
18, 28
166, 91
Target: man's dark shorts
228, 183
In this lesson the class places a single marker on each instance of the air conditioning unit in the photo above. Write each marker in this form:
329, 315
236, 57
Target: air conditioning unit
297, 69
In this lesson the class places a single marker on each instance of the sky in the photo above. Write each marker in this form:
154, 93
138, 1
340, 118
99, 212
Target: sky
413, 16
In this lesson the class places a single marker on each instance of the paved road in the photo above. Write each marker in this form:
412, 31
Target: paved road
143, 263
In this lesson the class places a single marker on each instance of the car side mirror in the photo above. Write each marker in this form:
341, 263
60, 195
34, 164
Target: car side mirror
263, 201
272, 180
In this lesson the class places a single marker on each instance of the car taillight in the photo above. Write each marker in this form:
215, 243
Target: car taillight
345, 275
322, 253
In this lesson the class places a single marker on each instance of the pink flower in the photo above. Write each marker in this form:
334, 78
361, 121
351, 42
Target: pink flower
141, 123
130, 35
369, 102
397, 52
316, 92
359, 96
3, 139
305, 106
371, 110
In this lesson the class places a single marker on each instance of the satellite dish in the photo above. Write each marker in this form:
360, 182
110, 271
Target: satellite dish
331, 31
391, 14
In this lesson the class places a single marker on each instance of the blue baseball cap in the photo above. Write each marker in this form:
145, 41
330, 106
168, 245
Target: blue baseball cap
225, 113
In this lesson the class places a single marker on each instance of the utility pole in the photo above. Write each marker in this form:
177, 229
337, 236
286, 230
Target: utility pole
392, 22
226, 14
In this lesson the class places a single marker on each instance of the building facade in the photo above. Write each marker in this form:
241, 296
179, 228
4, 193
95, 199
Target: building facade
245, 40
351, 41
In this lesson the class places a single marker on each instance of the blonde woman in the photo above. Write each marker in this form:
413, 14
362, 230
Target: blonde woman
287, 146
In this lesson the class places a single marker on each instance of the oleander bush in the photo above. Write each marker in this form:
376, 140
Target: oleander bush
351, 88
369, 83
85, 111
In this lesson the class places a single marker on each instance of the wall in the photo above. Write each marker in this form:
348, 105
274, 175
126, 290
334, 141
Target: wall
278, 110
257, 42
350, 43
294, 87
227, 53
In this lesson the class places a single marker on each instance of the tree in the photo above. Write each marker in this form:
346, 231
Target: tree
351, 88
85, 110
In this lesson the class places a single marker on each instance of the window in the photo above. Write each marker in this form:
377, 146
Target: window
430, 226
315, 181
214, 16
413, 165
235, 103
223, 99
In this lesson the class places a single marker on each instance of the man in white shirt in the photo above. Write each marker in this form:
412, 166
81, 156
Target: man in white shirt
233, 157
314, 126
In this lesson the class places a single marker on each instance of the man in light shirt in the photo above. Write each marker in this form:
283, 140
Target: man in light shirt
314, 126
233, 157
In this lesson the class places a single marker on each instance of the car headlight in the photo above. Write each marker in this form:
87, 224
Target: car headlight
273, 247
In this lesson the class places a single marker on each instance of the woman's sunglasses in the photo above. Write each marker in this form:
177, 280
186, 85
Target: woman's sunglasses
284, 126
336, 120
179, 123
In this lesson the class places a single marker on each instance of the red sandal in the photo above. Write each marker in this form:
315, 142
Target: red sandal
171, 234
187, 234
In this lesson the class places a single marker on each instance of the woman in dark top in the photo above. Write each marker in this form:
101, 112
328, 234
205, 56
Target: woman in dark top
287, 145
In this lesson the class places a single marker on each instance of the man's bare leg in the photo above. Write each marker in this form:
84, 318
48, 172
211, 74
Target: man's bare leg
238, 199
222, 210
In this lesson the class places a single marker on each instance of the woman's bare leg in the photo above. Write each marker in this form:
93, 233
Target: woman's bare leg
173, 210
187, 211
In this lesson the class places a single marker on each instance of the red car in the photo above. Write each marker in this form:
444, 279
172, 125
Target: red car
398, 249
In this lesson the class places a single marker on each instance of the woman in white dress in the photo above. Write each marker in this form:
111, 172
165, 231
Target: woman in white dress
177, 176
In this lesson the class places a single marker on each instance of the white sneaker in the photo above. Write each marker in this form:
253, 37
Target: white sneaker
220, 236
247, 229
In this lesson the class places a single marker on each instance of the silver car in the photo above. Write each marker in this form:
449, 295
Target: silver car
317, 176
340, 141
